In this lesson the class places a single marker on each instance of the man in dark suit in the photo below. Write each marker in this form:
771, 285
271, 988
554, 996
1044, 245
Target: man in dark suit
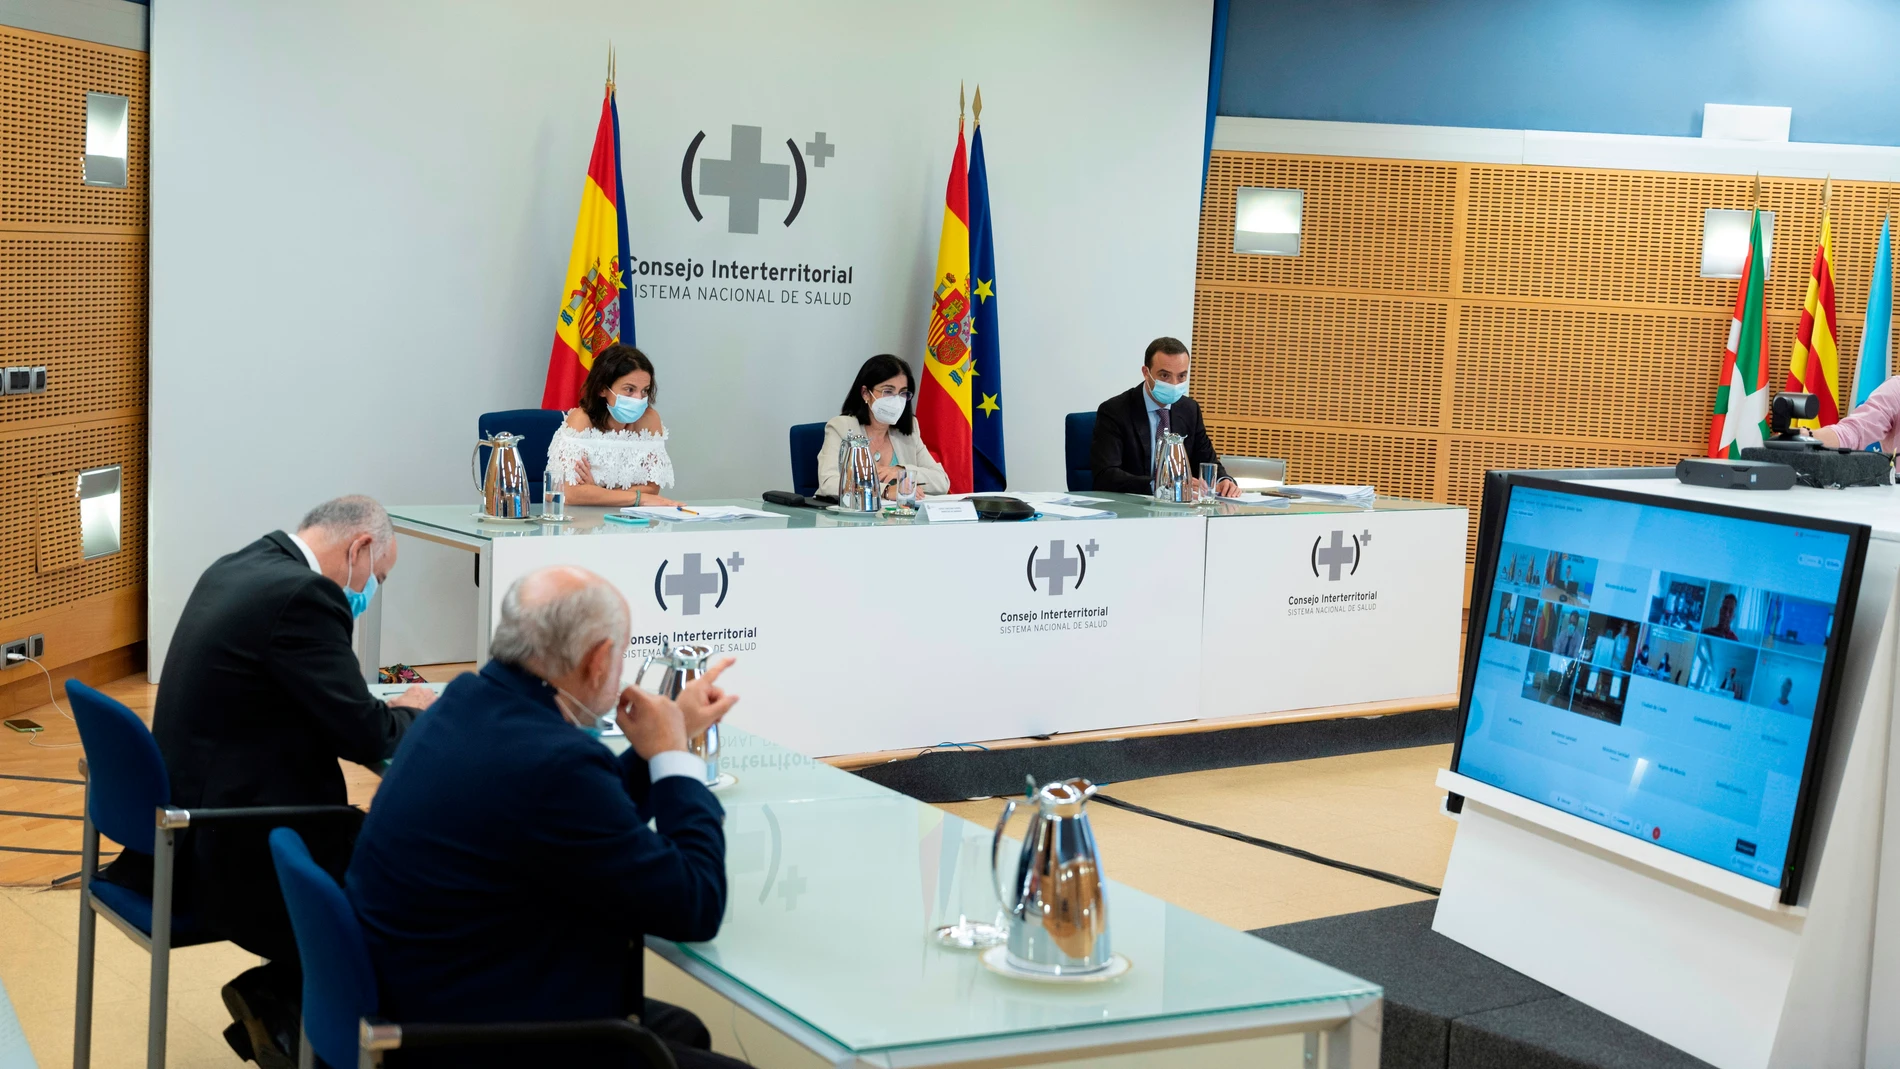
507, 871
261, 694
1122, 451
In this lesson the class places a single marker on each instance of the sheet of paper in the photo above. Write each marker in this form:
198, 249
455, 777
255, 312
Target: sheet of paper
1334, 492
1259, 499
1071, 512
691, 513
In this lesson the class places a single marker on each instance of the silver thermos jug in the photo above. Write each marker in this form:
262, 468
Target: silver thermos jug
666, 673
504, 486
858, 490
1058, 915
1173, 475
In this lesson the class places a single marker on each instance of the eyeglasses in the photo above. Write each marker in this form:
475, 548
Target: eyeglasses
886, 391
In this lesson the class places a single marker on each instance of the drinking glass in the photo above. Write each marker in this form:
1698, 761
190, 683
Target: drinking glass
968, 916
907, 495
1210, 474
554, 493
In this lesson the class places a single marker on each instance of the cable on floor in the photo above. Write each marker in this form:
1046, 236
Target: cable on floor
1268, 844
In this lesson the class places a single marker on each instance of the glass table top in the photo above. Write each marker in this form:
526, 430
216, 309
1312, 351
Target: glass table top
590, 521
836, 884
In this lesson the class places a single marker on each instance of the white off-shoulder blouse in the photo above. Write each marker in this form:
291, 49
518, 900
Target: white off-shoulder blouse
619, 460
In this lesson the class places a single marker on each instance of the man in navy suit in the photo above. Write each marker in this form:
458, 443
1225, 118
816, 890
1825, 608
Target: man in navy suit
507, 871
1121, 454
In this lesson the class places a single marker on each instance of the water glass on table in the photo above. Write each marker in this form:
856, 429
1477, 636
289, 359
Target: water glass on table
554, 493
1210, 474
907, 495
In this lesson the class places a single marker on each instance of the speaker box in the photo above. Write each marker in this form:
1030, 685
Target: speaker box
1829, 467
1734, 474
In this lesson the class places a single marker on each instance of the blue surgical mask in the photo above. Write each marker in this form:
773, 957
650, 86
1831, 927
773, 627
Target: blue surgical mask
627, 409
1167, 393
359, 599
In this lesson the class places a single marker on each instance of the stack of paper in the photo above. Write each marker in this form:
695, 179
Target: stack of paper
1347, 495
686, 514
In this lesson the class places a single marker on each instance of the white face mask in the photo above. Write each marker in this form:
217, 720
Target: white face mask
580, 714
888, 409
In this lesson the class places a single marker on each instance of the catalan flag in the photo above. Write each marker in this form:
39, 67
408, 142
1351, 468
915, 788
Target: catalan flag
986, 342
1741, 395
1816, 366
943, 401
596, 304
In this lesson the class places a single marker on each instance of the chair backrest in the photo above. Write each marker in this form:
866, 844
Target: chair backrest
124, 771
807, 439
1078, 433
339, 984
536, 427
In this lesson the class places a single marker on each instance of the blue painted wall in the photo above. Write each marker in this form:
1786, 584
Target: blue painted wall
1599, 66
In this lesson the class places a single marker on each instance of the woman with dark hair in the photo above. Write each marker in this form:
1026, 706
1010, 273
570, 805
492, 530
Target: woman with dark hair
880, 405
612, 449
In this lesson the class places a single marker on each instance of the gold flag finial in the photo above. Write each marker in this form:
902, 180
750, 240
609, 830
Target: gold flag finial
1757, 194
959, 103
1827, 192
610, 64
976, 106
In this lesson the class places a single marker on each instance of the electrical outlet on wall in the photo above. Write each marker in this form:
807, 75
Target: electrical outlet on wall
8, 651
36, 646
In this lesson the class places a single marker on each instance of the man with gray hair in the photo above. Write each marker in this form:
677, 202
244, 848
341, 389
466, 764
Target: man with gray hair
260, 695
508, 871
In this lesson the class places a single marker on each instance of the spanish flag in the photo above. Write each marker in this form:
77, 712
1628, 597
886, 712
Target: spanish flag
1816, 366
943, 398
596, 305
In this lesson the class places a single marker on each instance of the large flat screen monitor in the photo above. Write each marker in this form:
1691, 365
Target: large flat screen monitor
1662, 668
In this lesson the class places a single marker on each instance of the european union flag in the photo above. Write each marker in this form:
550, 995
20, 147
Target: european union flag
986, 409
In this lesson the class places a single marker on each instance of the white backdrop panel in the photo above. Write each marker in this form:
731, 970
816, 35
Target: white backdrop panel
906, 653
1288, 626
361, 215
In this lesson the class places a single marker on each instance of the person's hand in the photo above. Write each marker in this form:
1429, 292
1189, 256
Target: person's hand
1227, 488
583, 472
1195, 484
415, 697
652, 724
703, 702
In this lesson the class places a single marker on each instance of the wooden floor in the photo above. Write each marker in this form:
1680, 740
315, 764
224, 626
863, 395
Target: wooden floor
1374, 809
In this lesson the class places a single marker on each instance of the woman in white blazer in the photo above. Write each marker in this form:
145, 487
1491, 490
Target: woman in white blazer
882, 406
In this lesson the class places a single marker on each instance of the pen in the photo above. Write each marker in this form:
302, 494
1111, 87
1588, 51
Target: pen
686, 510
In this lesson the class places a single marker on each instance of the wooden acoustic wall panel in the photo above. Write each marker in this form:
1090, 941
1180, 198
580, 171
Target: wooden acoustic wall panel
43, 86
1318, 356
24, 479
1626, 236
74, 304
60, 544
1586, 372
1368, 224
1403, 465
1470, 460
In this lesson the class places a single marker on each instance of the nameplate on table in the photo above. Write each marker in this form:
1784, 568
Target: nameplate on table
949, 512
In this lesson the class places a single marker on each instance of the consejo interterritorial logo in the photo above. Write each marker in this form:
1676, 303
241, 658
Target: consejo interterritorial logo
692, 583
746, 179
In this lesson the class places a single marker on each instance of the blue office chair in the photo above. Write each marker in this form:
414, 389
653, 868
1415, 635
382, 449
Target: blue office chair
536, 427
1078, 433
806, 439
126, 787
340, 1025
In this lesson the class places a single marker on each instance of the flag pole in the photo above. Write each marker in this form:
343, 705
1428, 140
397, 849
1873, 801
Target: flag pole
976, 107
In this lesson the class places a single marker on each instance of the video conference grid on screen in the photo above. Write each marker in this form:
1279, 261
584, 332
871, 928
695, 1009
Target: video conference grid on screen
1655, 670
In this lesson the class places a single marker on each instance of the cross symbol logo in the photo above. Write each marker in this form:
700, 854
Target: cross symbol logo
1335, 556
791, 887
735, 562
1056, 567
690, 584
1091, 547
744, 180
818, 150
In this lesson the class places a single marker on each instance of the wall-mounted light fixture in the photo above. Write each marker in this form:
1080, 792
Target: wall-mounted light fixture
1725, 241
1267, 221
106, 122
98, 512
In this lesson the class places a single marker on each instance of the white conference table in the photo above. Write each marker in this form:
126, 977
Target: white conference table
862, 634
